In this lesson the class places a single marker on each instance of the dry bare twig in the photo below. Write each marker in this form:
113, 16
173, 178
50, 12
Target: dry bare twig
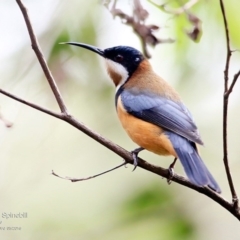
64, 116
137, 22
226, 94
88, 178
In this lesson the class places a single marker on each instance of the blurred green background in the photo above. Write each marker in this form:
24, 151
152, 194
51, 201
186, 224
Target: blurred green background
122, 204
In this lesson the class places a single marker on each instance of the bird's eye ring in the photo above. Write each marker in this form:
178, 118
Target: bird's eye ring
119, 58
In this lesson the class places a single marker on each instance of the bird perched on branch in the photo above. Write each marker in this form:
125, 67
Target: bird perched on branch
152, 112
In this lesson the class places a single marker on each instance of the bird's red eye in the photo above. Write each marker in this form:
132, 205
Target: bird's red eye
119, 58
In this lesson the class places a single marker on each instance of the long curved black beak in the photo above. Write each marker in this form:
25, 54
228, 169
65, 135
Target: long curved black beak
89, 47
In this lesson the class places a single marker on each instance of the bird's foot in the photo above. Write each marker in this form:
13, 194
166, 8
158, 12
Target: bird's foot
171, 175
135, 153
171, 171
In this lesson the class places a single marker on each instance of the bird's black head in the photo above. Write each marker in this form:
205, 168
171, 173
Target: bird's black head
128, 57
122, 61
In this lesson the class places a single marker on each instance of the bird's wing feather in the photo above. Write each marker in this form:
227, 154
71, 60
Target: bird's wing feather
163, 112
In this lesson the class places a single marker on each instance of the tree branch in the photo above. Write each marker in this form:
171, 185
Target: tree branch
229, 52
37, 107
226, 95
127, 156
38, 52
235, 78
88, 178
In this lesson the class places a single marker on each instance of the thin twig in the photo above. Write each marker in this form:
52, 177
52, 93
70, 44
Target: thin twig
88, 178
225, 107
39, 54
235, 78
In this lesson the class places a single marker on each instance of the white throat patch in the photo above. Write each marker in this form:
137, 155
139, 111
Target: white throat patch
117, 72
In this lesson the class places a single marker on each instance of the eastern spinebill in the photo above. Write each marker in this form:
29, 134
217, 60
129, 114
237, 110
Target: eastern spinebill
152, 112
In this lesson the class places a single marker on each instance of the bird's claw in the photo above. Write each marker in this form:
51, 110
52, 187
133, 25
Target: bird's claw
135, 153
135, 160
171, 171
171, 175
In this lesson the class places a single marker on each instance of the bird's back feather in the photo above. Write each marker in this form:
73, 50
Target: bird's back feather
161, 111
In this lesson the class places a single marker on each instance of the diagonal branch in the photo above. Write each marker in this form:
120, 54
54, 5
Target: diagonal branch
127, 156
35, 106
225, 106
38, 52
235, 78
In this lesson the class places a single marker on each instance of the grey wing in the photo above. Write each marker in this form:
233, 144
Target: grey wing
162, 112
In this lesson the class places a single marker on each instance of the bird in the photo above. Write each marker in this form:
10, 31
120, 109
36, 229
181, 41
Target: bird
152, 112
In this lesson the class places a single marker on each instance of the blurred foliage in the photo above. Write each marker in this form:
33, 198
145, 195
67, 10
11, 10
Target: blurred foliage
151, 207
149, 214
56, 48
184, 18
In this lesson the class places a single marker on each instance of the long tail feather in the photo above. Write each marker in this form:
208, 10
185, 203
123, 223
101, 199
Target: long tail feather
192, 163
